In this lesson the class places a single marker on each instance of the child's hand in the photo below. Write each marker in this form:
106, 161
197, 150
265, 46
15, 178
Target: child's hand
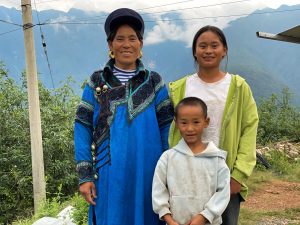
173, 223
169, 220
197, 220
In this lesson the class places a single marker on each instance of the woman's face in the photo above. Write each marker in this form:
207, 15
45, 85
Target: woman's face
209, 50
126, 48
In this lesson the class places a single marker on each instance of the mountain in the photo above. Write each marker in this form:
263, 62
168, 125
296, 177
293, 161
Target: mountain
78, 50
263, 57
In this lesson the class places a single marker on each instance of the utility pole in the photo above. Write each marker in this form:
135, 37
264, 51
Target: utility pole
38, 176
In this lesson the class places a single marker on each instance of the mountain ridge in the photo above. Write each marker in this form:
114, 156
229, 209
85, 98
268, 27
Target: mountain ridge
77, 50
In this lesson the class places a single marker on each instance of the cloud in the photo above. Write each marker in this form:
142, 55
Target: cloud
193, 14
108, 6
55, 23
196, 15
162, 31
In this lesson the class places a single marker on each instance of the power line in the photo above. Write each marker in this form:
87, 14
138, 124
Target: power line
11, 23
224, 16
179, 19
88, 18
198, 7
44, 44
42, 2
174, 3
10, 31
166, 11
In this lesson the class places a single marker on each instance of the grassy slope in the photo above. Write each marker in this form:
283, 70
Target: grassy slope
260, 177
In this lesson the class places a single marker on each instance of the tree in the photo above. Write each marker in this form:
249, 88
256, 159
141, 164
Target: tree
58, 108
279, 119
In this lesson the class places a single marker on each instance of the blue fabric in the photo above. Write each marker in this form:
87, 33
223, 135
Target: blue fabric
137, 135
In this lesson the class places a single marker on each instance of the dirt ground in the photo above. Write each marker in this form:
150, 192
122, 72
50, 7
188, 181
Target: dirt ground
275, 196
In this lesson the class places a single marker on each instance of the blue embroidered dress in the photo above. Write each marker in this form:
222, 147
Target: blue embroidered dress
120, 132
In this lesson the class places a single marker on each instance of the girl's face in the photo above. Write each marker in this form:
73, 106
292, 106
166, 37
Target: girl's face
209, 50
126, 48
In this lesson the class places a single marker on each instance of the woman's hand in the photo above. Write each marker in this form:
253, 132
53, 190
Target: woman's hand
197, 220
88, 191
235, 187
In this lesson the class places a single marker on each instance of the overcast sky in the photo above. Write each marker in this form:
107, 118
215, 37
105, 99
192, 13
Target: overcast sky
195, 13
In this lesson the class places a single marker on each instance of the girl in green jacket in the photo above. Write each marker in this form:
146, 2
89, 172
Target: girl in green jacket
231, 108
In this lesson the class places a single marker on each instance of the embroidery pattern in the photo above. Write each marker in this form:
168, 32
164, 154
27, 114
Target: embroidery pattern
143, 95
165, 113
84, 113
85, 171
108, 101
138, 93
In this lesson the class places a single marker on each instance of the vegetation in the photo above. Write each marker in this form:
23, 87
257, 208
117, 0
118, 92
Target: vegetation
279, 120
57, 112
54, 206
286, 171
248, 217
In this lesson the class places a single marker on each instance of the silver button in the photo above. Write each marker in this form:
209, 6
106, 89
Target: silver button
98, 89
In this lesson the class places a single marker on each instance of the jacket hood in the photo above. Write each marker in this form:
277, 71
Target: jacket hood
210, 151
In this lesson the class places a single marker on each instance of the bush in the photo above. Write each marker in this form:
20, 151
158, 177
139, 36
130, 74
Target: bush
58, 108
80, 213
280, 162
279, 120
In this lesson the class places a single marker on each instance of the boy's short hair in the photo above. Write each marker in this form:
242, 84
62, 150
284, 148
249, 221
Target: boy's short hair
191, 101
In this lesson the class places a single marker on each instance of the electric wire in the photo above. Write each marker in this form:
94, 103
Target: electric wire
44, 44
42, 2
197, 7
232, 15
7, 32
176, 19
152, 13
11, 23
174, 3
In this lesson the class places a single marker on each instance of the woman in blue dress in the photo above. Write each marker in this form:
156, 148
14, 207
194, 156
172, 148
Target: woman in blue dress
121, 129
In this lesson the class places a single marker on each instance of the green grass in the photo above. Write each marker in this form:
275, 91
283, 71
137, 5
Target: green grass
49, 208
52, 207
282, 169
258, 178
251, 217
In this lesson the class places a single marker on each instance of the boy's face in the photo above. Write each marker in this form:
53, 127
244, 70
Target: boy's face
191, 123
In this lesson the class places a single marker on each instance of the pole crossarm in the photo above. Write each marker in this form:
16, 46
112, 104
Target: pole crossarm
291, 35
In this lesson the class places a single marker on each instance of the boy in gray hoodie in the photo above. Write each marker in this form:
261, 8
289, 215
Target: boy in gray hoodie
191, 184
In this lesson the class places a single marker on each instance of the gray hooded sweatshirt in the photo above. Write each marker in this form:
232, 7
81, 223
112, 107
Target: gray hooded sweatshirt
185, 184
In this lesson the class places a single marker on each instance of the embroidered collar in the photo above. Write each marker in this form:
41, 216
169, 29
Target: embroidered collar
114, 81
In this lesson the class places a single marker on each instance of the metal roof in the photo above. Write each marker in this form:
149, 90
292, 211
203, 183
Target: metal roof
290, 35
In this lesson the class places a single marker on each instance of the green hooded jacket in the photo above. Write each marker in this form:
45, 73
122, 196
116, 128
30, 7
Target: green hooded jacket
239, 127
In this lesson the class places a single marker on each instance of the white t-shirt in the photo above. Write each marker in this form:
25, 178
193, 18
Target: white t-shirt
214, 95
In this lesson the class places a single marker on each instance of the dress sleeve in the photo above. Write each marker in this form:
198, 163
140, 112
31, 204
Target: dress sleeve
164, 110
83, 132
